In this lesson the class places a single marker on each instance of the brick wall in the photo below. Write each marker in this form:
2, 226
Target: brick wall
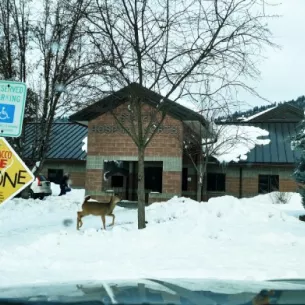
250, 186
76, 169
107, 142
232, 186
288, 185
120, 144
94, 179
172, 182
250, 178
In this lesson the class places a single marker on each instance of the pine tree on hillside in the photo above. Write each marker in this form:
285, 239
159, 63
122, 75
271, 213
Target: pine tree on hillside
299, 102
298, 144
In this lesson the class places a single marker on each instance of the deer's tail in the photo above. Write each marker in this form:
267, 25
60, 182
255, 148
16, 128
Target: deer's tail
86, 199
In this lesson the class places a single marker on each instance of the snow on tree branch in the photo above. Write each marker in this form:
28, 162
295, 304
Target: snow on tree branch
234, 142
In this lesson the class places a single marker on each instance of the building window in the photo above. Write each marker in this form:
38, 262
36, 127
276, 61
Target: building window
268, 183
216, 182
117, 181
153, 176
184, 179
55, 175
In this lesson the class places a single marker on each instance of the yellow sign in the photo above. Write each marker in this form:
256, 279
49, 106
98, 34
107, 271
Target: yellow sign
14, 174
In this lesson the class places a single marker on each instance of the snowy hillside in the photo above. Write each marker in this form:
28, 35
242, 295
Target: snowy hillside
225, 238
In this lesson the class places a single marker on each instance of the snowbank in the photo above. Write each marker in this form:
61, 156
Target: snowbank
225, 208
224, 238
55, 189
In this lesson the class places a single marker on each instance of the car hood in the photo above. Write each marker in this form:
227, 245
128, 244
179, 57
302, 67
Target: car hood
159, 291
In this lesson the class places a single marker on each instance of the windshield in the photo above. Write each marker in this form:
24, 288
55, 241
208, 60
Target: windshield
165, 139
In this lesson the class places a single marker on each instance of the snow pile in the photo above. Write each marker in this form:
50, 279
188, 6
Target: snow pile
224, 238
293, 207
225, 208
292, 200
70, 201
55, 189
232, 209
234, 142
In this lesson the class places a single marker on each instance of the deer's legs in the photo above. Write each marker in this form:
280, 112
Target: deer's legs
79, 220
113, 217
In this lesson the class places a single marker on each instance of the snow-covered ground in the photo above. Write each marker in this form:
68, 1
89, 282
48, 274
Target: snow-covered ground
225, 238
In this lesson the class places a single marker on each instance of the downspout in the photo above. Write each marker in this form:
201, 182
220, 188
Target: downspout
240, 182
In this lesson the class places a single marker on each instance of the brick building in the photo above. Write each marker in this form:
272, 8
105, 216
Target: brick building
65, 154
112, 154
111, 162
267, 167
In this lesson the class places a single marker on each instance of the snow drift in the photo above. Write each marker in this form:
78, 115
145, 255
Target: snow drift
224, 238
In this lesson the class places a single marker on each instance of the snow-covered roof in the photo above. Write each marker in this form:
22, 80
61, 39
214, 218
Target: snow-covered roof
277, 151
258, 114
234, 142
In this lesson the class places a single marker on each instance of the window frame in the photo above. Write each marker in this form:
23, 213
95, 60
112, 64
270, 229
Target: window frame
220, 186
270, 183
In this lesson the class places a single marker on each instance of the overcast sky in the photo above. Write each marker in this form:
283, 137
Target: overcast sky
282, 73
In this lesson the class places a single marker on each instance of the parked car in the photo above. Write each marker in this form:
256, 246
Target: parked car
40, 188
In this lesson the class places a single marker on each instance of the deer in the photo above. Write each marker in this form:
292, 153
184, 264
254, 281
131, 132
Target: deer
97, 209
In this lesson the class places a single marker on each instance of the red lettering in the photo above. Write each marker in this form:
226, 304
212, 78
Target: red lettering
3, 163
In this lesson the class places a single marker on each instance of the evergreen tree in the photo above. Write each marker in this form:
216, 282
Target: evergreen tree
299, 102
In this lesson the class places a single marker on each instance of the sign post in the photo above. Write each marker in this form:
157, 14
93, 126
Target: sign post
14, 174
12, 105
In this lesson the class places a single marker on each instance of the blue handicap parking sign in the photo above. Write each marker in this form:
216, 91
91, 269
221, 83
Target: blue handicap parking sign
7, 112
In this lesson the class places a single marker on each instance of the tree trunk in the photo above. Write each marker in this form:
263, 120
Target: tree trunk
199, 186
199, 178
141, 189
205, 181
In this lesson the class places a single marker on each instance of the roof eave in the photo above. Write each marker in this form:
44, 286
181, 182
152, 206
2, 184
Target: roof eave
83, 123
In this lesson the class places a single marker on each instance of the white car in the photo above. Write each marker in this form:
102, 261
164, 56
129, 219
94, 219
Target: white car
40, 188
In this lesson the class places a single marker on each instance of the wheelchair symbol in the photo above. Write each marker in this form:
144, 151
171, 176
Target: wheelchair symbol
7, 113
3, 114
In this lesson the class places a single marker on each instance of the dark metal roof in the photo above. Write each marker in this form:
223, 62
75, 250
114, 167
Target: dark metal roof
279, 149
65, 141
280, 114
152, 98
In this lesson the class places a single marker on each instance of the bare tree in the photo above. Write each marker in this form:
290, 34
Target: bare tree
14, 33
63, 65
222, 142
173, 45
